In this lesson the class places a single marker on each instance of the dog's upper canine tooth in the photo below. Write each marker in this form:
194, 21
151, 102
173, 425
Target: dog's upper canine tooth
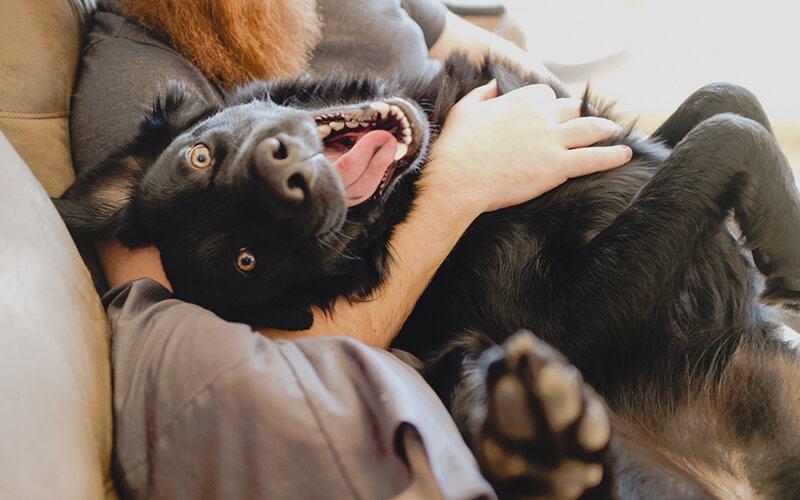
336, 125
324, 131
402, 149
381, 107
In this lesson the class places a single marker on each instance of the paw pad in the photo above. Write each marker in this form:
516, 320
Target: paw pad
559, 386
511, 408
546, 433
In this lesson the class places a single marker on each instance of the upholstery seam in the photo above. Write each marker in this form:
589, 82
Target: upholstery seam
24, 115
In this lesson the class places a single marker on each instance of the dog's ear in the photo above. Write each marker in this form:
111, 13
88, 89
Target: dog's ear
101, 201
98, 203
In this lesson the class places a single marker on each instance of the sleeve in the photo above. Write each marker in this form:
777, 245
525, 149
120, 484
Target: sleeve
429, 15
211, 409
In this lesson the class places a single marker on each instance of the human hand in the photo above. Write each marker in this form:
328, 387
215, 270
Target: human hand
495, 152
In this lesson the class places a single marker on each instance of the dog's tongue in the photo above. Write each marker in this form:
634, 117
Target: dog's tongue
363, 167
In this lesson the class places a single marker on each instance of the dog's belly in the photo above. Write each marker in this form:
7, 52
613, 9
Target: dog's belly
511, 268
506, 270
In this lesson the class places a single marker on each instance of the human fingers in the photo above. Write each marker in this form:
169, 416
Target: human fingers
585, 131
566, 108
583, 161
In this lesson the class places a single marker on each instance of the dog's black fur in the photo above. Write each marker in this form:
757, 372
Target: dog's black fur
632, 274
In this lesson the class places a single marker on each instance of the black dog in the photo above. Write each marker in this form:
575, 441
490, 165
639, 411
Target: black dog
632, 275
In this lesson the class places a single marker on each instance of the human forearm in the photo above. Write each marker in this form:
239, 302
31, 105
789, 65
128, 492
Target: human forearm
121, 264
436, 221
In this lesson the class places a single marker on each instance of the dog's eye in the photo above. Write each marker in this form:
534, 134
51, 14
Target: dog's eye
246, 261
200, 156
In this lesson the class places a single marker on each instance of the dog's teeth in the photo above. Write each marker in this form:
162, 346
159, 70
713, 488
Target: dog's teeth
397, 112
405, 123
351, 124
407, 136
402, 149
324, 131
336, 125
381, 107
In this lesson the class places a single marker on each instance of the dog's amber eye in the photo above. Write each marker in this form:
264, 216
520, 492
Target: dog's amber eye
200, 156
246, 261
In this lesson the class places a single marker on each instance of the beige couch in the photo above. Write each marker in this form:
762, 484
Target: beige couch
55, 385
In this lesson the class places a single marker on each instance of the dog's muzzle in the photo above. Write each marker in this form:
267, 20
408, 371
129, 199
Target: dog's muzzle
297, 183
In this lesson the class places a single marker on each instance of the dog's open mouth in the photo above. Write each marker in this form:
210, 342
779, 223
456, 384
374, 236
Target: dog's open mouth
368, 145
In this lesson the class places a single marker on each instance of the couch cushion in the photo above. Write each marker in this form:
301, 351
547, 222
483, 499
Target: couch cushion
55, 387
40, 43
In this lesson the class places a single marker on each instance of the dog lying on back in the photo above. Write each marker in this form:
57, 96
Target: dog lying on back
631, 275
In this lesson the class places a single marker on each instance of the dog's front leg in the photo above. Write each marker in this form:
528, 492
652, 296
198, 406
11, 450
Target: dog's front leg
537, 429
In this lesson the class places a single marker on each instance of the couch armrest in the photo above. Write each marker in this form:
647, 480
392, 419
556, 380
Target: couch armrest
55, 386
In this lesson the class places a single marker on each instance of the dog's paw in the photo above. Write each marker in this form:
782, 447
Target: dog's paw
781, 268
546, 433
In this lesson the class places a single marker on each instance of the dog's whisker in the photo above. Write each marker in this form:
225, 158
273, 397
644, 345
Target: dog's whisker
336, 241
341, 241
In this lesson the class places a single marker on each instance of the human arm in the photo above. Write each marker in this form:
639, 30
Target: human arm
457, 183
460, 34
473, 171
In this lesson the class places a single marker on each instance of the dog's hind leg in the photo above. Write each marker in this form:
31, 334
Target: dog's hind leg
706, 102
737, 435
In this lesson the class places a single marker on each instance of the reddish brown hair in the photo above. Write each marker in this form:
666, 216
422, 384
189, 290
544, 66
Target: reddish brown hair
234, 41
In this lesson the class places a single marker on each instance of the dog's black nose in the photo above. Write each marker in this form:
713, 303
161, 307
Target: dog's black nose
279, 163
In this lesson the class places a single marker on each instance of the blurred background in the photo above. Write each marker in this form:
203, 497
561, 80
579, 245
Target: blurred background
649, 55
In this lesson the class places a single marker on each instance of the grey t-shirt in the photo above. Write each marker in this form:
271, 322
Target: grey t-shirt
123, 67
209, 409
